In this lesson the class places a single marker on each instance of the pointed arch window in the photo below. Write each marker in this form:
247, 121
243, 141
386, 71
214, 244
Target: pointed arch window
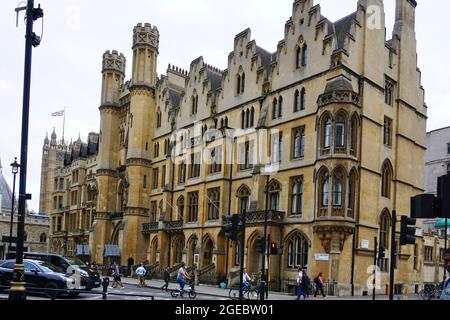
180, 208
338, 182
340, 131
302, 99
247, 118
243, 195
274, 108
252, 117
386, 180
304, 55
242, 119
238, 84
193, 206
327, 133
324, 190
280, 107
158, 119
296, 101
384, 237
298, 57
299, 142
296, 195
298, 249
243, 82
274, 195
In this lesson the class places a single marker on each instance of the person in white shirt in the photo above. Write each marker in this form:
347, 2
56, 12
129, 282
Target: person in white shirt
182, 276
299, 284
445, 295
140, 272
246, 280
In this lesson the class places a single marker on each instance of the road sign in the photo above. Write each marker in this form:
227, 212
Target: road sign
6, 239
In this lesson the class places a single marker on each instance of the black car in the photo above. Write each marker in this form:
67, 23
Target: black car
90, 278
39, 276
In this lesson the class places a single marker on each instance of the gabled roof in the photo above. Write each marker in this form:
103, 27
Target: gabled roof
341, 28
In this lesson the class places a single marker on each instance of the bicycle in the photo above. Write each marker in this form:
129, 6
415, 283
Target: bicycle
251, 292
430, 292
191, 292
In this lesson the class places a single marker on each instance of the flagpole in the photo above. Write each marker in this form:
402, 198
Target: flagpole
64, 122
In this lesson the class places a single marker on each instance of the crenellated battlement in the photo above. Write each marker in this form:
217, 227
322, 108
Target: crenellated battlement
212, 68
114, 61
145, 35
177, 70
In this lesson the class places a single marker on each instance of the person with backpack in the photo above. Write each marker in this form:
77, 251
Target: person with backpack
318, 281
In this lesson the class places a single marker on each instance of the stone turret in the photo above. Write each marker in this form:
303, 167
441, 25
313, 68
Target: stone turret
145, 53
113, 72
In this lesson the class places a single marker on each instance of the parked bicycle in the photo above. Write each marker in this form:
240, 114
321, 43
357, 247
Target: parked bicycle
250, 293
430, 292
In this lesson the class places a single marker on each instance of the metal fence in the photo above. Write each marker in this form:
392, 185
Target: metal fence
54, 293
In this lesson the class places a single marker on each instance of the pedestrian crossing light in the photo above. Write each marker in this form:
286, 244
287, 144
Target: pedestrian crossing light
407, 231
381, 252
274, 249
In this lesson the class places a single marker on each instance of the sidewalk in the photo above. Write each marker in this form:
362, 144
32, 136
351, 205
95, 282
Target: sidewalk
203, 289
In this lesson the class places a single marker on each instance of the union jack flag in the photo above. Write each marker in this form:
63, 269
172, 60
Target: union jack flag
58, 113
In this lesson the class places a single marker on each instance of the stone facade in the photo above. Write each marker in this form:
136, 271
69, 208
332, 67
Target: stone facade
338, 110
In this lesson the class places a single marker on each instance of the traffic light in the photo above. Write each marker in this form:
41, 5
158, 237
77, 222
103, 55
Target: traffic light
231, 227
260, 244
443, 194
424, 206
407, 231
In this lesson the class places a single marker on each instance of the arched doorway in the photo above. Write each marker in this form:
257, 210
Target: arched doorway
130, 264
254, 258
208, 248
178, 247
153, 249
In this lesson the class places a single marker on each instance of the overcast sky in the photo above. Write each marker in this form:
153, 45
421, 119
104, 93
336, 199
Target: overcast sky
67, 65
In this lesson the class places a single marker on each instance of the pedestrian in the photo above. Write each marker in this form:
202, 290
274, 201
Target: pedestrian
318, 281
140, 272
182, 276
116, 276
445, 295
299, 288
246, 279
166, 278
306, 282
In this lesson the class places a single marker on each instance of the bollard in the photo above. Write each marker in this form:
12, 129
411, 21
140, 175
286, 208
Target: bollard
105, 284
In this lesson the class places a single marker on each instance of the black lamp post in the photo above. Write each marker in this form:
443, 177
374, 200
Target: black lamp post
266, 218
17, 291
15, 169
194, 240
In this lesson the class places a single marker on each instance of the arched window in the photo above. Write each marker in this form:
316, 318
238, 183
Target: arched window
238, 84
243, 119
384, 237
354, 135
193, 207
296, 101
298, 57
243, 83
221, 123
304, 55
244, 198
340, 131
179, 246
274, 195
302, 99
247, 118
226, 122
386, 180
324, 189
298, 248
180, 208
351, 190
327, 133
296, 195
194, 103
43, 238
274, 108
280, 107
338, 182
158, 119
299, 143
252, 117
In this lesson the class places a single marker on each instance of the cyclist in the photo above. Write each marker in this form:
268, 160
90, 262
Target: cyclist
446, 288
246, 280
182, 276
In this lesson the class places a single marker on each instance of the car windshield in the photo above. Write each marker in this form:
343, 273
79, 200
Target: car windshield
76, 262
47, 267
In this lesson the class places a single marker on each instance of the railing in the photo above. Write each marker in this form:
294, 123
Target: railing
207, 275
172, 226
259, 216
149, 228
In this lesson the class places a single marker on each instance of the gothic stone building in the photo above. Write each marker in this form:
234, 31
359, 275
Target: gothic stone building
337, 109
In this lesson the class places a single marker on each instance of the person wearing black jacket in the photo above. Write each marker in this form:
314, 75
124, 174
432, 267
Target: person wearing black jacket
166, 278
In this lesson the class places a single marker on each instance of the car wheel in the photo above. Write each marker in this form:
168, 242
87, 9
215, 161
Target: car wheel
74, 294
50, 293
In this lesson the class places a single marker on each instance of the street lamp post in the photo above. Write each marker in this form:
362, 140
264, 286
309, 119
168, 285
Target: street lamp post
17, 291
15, 169
194, 245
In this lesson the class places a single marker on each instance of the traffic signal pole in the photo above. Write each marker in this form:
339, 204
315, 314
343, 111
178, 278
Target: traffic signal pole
375, 266
393, 253
242, 249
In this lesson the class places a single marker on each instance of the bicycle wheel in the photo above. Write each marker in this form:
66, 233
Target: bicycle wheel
192, 294
174, 293
233, 294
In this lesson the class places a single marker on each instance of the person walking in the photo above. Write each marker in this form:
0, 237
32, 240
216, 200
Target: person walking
246, 279
140, 272
182, 276
299, 288
166, 278
116, 276
318, 281
445, 295
306, 282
